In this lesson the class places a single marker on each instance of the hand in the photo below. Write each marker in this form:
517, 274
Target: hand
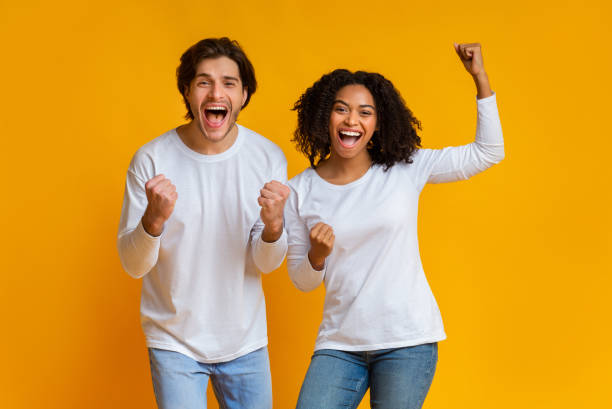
321, 245
272, 201
471, 57
161, 195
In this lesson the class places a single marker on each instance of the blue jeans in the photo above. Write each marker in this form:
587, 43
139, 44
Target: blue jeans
180, 382
398, 378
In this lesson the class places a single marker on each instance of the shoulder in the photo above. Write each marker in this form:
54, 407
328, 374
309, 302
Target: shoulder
302, 181
144, 160
258, 144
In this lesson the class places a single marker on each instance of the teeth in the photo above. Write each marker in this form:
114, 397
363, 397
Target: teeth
348, 133
216, 108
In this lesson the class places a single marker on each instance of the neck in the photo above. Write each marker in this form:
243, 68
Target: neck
194, 138
341, 171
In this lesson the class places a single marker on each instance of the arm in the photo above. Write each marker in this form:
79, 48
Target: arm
146, 206
462, 162
307, 250
269, 240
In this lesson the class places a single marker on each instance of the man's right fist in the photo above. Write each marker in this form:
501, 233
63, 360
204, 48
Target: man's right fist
321, 245
161, 195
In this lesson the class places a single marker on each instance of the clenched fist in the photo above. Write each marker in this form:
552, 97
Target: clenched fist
161, 195
321, 244
272, 200
471, 57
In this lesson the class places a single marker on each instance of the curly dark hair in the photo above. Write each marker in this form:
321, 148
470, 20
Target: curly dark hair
396, 138
214, 48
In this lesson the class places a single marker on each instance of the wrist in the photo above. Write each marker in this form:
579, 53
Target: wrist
318, 263
272, 232
153, 226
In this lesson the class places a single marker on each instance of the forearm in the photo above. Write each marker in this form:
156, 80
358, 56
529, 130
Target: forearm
138, 251
269, 255
483, 88
272, 232
303, 275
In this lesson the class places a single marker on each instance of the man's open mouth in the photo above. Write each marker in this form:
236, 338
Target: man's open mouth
215, 115
348, 139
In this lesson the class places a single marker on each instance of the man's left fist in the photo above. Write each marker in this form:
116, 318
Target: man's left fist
272, 200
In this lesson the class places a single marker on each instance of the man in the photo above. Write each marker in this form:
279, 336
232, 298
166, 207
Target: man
202, 217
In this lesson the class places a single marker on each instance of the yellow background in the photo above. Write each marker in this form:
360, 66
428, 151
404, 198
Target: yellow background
518, 258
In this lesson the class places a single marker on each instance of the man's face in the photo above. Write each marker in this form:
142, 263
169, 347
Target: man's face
216, 95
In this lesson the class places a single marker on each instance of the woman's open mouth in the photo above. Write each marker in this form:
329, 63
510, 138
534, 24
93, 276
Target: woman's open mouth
349, 138
215, 115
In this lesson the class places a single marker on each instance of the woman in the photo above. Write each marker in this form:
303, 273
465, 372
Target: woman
352, 222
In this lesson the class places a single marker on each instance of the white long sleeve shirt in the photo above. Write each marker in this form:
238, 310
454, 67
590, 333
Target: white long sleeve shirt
377, 295
201, 291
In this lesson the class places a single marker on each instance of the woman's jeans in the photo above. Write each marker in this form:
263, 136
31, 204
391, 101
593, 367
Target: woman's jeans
398, 378
180, 382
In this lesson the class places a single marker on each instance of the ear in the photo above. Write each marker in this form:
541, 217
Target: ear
245, 94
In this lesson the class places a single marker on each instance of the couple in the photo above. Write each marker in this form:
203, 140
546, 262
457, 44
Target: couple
206, 212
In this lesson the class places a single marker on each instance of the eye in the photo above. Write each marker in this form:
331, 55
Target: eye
203, 83
366, 113
340, 108
230, 84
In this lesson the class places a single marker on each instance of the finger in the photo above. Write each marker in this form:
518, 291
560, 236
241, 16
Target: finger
323, 233
457, 49
174, 196
268, 194
266, 203
278, 187
315, 230
464, 52
330, 241
152, 182
161, 187
328, 234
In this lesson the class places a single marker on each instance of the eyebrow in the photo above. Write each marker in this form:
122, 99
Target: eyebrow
225, 77
339, 101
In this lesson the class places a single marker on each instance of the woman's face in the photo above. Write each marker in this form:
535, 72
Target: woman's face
352, 121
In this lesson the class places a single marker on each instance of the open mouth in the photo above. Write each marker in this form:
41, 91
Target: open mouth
215, 115
348, 139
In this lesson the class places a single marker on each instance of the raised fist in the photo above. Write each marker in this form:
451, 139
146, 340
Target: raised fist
161, 195
471, 57
272, 200
321, 244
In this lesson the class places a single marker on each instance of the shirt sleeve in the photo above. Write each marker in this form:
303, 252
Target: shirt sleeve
138, 250
302, 274
269, 256
462, 162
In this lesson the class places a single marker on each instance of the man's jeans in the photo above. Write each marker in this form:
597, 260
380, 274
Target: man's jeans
398, 378
180, 382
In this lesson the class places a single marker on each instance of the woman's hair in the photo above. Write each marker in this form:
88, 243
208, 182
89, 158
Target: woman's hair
394, 141
214, 48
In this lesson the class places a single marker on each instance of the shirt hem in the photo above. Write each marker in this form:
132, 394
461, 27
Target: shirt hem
225, 358
373, 347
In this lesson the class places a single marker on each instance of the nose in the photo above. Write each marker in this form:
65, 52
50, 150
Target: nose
216, 91
352, 118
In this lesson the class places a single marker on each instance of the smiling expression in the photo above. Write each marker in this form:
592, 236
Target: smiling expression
352, 122
216, 95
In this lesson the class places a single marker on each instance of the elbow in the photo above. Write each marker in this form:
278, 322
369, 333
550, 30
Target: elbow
268, 263
301, 281
500, 154
132, 270
267, 268
131, 267
303, 287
